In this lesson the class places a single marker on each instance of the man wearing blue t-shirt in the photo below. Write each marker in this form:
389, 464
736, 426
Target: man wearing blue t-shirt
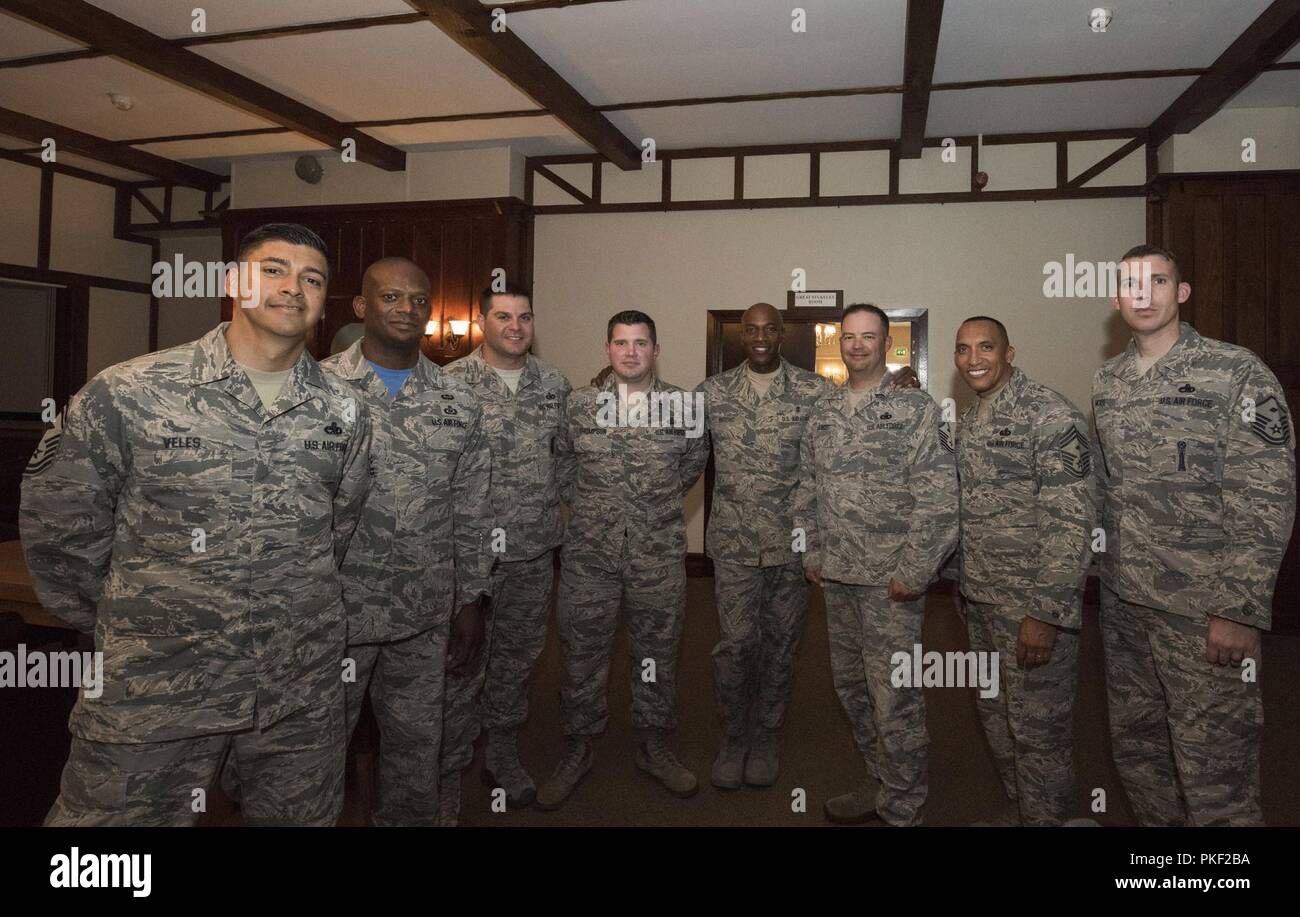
422, 547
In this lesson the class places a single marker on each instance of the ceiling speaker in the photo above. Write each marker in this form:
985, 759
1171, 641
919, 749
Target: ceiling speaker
309, 169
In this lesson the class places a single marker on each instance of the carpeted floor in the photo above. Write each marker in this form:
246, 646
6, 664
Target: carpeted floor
820, 757
819, 754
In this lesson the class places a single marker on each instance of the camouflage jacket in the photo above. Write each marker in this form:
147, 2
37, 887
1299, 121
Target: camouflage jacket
198, 534
531, 459
626, 495
756, 462
422, 546
877, 494
1197, 477
1027, 502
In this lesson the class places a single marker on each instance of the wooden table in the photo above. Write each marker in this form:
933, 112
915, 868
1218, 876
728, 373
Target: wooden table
16, 593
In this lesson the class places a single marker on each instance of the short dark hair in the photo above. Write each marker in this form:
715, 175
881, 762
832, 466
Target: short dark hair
510, 289
631, 317
293, 233
1006, 338
866, 307
1147, 251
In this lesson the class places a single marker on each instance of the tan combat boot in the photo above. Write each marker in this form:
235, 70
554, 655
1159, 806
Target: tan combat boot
655, 758
730, 763
502, 768
764, 758
574, 764
855, 808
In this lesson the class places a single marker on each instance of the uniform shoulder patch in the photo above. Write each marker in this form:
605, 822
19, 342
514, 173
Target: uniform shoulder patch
1076, 456
946, 438
47, 450
1271, 423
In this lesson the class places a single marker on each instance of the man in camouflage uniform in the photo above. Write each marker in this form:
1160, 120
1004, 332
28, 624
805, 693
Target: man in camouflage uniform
756, 414
1198, 484
626, 546
524, 402
1024, 464
191, 510
421, 546
877, 503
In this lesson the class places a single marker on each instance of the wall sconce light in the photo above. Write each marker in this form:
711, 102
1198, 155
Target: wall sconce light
825, 335
431, 327
459, 328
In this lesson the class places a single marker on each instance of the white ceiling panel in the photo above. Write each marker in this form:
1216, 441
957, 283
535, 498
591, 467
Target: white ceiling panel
172, 19
19, 38
75, 94
753, 123
221, 148
399, 71
1003, 39
640, 50
545, 127
1073, 106
1274, 89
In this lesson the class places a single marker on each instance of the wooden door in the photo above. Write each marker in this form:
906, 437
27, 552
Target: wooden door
1237, 240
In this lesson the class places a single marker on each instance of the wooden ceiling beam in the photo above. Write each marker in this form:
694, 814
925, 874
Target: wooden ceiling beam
924, 18
90, 25
37, 130
469, 24
1264, 41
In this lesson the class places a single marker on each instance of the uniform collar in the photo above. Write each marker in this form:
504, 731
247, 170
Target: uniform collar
482, 369
840, 393
355, 367
611, 384
1184, 349
1005, 401
213, 362
743, 388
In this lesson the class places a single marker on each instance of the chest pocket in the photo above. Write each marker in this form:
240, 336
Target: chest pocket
183, 513
588, 441
1011, 462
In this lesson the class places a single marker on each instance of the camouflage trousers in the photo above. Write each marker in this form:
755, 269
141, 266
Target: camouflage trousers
653, 595
888, 723
494, 695
1030, 723
1185, 733
760, 616
291, 773
405, 678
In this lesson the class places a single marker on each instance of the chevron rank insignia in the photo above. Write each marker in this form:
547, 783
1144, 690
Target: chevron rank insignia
1076, 457
1271, 423
945, 436
47, 450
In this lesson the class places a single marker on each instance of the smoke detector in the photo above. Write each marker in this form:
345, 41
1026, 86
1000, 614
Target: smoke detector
121, 101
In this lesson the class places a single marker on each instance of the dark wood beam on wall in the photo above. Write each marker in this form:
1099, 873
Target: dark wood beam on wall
921, 46
46, 219
90, 25
469, 24
1105, 163
1264, 41
68, 140
567, 187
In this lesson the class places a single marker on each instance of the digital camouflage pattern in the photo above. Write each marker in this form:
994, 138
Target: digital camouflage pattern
888, 723
758, 576
877, 493
422, 547
531, 464
756, 462
405, 681
1027, 503
494, 693
1029, 723
625, 545
1198, 479
250, 628
291, 775
1185, 733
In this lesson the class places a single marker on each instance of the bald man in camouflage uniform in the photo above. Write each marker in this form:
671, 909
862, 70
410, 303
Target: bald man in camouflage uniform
421, 549
877, 503
192, 515
756, 415
1198, 480
625, 547
1027, 514
524, 422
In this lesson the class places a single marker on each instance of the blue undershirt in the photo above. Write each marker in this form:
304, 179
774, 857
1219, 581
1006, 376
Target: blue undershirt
393, 379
